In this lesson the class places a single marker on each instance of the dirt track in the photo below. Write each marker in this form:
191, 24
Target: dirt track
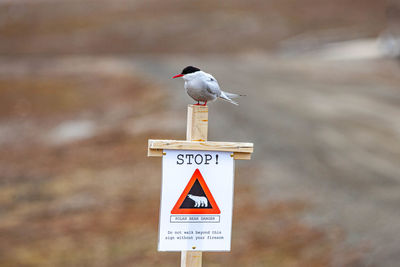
75, 117
73, 139
327, 132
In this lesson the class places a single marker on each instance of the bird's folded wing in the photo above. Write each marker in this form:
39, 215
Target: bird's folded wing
211, 84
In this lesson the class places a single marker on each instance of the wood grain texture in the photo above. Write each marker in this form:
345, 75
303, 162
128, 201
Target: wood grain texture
206, 145
197, 123
242, 156
196, 130
154, 152
191, 259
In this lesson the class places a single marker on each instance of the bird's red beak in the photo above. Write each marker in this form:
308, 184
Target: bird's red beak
177, 76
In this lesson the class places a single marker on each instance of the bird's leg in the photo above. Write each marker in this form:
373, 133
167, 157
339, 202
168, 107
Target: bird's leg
205, 103
198, 103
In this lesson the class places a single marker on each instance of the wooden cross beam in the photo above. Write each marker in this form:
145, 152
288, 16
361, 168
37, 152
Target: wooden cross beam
196, 135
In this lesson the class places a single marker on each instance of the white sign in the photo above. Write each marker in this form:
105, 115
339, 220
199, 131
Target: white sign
196, 201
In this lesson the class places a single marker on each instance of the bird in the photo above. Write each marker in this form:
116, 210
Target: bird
203, 87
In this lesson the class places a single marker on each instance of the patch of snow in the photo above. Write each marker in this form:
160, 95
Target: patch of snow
70, 131
357, 49
390, 44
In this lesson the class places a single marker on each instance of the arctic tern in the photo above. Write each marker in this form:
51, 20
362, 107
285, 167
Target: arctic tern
203, 87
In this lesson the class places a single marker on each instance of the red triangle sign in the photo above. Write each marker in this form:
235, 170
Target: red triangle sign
196, 198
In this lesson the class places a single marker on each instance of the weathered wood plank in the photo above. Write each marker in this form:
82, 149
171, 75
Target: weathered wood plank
241, 156
196, 129
191, 259
197, 123
201, 145
154, 152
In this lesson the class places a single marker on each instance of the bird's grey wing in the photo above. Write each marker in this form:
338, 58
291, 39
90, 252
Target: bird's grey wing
212, 86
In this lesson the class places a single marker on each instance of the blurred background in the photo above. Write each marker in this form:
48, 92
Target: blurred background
84, 84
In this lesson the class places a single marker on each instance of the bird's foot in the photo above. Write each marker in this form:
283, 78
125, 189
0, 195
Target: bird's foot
198, 104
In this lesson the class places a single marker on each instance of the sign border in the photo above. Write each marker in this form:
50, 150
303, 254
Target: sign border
196, 176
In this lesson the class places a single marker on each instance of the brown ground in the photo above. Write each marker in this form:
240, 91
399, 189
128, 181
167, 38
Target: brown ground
94, 201
84, 84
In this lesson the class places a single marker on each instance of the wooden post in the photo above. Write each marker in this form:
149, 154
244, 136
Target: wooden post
196, 130
196, 139
197, 123
191, 258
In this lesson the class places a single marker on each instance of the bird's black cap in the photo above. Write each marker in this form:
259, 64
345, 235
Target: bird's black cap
189, 69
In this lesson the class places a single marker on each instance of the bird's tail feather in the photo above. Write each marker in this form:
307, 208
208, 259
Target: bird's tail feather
232, 95
224, 96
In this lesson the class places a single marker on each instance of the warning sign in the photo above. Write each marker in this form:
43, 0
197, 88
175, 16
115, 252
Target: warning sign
196, 198
196, 201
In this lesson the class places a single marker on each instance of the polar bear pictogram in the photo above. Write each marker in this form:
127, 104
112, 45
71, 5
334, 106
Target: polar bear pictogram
199, 201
